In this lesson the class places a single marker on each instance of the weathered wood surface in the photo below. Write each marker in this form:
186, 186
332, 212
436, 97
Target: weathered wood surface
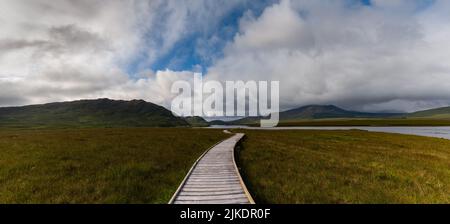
214, 179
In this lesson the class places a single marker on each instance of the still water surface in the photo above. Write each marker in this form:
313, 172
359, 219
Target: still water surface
438, 132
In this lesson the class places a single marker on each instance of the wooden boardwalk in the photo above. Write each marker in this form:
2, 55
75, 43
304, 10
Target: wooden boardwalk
214, 178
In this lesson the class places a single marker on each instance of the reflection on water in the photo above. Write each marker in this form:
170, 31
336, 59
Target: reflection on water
439, 132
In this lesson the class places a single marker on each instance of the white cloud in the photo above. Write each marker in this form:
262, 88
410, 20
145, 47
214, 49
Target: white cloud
154, 87
66, 50
359, 57
392, 55
62, 50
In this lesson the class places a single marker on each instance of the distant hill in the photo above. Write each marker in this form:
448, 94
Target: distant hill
139, 113
90, 113
319, 112
437, 113
197, 121
329, 111
218, 122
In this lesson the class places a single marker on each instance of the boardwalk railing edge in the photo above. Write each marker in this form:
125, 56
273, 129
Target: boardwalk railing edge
183, 182
247, 193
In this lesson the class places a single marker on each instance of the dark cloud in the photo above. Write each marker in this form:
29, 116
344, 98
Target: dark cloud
10, 45
74, 38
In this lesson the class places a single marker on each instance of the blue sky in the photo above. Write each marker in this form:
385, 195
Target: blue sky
184, 54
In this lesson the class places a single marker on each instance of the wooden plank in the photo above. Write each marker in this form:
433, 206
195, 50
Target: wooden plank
216, 189
197, 178
214, 181
195, 193
211, 197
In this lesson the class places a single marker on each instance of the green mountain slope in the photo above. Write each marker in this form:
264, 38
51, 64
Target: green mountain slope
90, 113
197, 121
437, 113
319, 112
329, 111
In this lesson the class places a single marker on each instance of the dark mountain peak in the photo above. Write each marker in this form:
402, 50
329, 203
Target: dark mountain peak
328, 111
315, 107
108, 101
314, 111
138, 101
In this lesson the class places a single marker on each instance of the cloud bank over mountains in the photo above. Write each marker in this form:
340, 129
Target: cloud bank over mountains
386, 55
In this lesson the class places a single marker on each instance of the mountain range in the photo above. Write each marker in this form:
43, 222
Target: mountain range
91, 113
139, 113
317, 112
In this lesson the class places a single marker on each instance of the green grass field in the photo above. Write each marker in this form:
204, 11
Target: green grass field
117, 165
146, 165
345, 167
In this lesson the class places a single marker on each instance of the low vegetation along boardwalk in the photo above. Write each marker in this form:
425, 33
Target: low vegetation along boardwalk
214, 178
